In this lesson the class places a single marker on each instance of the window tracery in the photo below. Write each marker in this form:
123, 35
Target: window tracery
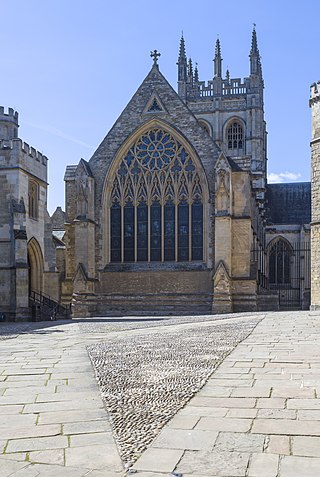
156, 210
235, 136
279, 263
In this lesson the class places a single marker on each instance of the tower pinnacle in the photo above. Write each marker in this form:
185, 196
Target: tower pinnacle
217, 60
196, 74
255, 61
182, 50
182, 68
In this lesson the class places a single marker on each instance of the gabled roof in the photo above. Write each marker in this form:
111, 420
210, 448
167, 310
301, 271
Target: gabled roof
174, 112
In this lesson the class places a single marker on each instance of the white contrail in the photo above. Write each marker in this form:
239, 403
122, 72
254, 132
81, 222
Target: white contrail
57, 132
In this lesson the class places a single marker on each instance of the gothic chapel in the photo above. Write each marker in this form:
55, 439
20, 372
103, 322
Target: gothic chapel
173, 213
165, 215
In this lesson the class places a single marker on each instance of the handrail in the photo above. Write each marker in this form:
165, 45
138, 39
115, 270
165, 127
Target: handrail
49, 305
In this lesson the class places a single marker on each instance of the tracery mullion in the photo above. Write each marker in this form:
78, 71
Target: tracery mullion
149, 228
176, 231
122, 232
135, 232
190, 230
163, 231
190, 187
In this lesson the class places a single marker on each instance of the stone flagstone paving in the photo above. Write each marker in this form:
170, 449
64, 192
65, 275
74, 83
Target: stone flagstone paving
257, 416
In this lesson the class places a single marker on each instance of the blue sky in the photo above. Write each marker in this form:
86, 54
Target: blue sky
70, 67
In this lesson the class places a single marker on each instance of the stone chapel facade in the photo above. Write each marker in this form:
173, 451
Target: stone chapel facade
172, 213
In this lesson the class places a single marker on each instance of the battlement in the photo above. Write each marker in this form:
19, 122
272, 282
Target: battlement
314, 93
9, 115
222, 88
20, 147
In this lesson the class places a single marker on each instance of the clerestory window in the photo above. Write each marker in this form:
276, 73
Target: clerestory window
235, 137
156, 211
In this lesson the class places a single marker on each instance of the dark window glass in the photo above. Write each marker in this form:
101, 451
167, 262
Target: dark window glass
235, 136
169, 231
279, 263
197, 231
115, 233
183, 232
155, 232
142, 232
157, 165
129, 233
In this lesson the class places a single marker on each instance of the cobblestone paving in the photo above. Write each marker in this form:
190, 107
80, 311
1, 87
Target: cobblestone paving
108, 325
145, 380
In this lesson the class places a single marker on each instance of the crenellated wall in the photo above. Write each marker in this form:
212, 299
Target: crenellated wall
25, 226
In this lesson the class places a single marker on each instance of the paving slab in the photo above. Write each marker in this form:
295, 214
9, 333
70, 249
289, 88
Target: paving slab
264, 390
53, 423
257, 416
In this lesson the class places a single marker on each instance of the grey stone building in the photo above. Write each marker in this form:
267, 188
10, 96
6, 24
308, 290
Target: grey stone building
27, 254
315, 201
171, 214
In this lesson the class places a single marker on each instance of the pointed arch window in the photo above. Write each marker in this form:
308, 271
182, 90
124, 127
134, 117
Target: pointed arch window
235, 136
156, 203
33, 194
280, 254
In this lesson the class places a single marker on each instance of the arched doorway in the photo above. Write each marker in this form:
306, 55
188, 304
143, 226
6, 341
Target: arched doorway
35, 263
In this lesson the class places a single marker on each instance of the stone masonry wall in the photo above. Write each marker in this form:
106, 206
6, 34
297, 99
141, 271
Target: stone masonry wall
315, 197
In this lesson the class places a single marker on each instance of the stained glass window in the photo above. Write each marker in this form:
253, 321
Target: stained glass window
197, 227
157, 195
169, 231
142, 232
116, 233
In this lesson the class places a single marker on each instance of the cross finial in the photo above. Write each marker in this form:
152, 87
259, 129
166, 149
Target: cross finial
155, 55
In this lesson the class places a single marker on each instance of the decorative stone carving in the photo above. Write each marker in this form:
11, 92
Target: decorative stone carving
222, 194
222, 302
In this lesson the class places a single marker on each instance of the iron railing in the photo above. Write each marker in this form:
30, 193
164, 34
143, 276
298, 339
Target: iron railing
46, 307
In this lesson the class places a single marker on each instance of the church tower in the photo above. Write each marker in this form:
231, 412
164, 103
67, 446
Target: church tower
315, 196
231, 111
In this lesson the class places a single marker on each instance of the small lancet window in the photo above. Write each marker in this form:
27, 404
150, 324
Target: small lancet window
33, 199
235, 136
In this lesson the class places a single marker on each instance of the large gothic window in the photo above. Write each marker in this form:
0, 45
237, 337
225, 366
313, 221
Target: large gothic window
235, 136
156, 211
279, 262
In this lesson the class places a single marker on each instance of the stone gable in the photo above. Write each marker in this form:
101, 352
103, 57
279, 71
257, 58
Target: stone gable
176, 113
